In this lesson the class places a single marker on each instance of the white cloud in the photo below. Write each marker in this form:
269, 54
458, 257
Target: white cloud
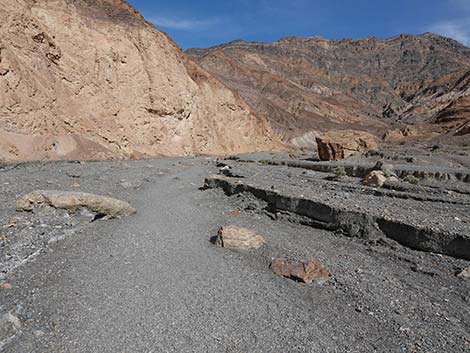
183, 24
457, 29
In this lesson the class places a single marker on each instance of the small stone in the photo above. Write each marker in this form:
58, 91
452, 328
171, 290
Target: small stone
465, 273
233, 237
9, 326
305, 271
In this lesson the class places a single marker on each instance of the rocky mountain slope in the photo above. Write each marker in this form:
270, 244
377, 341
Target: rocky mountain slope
93, 80
310, 85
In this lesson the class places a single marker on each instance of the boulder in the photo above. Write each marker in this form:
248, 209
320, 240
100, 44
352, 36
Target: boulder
233, 237
378, 178
341, 144
101, 205
375, 178
305, 271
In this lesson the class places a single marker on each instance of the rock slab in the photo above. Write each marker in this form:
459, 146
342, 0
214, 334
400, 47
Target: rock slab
304, 271
233, 237
101, 205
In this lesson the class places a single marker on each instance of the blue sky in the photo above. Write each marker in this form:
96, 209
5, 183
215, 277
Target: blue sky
205, 23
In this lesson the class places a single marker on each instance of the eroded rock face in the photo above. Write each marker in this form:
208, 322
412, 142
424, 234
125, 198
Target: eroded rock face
370, 84
335, 145
100, 205
305, 271
233, 237
89, 79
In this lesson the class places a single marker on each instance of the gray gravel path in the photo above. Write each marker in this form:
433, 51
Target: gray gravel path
154, 283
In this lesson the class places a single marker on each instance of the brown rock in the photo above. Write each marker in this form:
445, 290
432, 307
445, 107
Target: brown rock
101, 205
306, 271
375, 178
233, 237
341, 144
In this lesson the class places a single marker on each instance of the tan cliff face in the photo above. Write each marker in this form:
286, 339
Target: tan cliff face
308, 86
90, 79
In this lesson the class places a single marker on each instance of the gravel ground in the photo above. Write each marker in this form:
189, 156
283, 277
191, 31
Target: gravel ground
154, 283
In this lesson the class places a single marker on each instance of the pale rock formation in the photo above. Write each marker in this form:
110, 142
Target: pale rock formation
93, 80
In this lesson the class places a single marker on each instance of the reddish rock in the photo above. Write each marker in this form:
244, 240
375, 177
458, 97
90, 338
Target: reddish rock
341, 144
305, 271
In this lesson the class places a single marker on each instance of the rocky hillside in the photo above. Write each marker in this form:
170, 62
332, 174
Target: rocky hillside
309, 85
92, 79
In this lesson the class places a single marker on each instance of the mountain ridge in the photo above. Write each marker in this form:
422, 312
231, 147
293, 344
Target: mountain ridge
313, 84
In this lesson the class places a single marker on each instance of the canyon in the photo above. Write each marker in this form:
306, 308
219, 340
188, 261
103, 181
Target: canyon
94, 80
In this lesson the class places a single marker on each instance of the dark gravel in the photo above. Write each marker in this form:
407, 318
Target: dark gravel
154, 282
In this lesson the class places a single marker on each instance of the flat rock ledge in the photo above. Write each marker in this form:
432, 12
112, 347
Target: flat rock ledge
302, 271
233, 237
351, 221
104, 206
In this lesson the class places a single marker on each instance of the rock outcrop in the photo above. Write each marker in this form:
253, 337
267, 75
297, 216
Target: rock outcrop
370, 84
82, 79
335, 145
